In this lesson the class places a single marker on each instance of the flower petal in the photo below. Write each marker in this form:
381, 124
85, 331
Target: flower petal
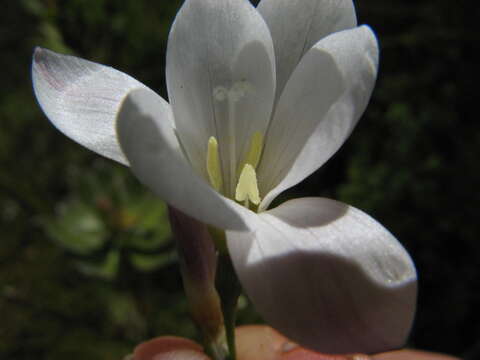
321, 104
81, 98
221, 80
261, 342
409, 354
296, 25
149, 142
169, 348
327, 275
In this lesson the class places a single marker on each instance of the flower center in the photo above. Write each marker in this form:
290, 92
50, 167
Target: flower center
246, 190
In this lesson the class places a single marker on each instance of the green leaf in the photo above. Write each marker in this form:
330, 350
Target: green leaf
77, 228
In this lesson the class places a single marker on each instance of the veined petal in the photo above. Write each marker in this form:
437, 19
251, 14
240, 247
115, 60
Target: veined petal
148, 140
221, 80
296, 25
321, 104
82, 98
327, 275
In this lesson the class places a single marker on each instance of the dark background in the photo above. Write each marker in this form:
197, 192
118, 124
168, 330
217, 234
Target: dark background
86, 262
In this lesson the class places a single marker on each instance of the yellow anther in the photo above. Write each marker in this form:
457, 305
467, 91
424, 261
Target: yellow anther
213, 164
247, 187
255, 150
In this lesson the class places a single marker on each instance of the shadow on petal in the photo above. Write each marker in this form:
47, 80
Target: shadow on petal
328, 276
156, 158
312, 215
328, 303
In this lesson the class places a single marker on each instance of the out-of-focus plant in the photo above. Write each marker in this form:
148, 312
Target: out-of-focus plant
107, 223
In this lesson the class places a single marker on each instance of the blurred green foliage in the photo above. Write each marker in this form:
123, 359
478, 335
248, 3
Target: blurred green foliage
87, 267
106, 222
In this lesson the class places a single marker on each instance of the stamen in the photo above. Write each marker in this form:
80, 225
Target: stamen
255, 150
247, 187
213, 164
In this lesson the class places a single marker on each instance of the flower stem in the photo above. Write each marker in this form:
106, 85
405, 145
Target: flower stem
229, 289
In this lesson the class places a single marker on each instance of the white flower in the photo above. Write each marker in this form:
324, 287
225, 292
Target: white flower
259, 99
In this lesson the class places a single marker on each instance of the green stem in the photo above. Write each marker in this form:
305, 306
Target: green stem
215, 348
229, 288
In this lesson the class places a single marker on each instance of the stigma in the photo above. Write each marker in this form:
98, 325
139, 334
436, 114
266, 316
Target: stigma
247, 186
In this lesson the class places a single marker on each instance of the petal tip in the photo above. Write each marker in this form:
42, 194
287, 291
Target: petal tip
41, 55
37, 57
37, 52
